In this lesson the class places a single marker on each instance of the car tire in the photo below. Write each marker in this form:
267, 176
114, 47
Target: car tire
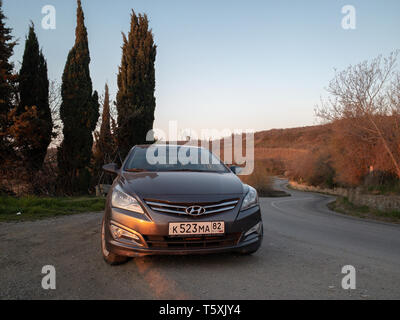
109, 257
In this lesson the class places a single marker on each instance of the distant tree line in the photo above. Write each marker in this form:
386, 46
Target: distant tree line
29, 101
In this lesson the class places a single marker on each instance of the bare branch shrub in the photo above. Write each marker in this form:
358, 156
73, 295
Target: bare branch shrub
364, 107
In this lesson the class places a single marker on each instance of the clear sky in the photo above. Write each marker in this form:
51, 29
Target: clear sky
226, 63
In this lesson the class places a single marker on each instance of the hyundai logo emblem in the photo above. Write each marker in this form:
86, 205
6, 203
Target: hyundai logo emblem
195, 210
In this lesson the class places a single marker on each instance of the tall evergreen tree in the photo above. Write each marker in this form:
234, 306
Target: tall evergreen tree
79, 112
7, 81
34, 91
105, 137
105, 146
136, 84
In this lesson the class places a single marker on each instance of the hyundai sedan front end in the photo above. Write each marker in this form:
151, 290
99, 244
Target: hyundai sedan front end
178, 207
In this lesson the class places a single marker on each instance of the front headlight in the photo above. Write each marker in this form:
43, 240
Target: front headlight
120, 199
250, 200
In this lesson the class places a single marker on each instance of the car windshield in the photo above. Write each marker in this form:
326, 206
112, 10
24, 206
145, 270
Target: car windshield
173, 158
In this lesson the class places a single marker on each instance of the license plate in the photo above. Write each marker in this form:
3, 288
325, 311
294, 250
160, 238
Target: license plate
196, 228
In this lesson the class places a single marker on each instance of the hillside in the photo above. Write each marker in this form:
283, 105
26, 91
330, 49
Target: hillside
277, 149
294, 138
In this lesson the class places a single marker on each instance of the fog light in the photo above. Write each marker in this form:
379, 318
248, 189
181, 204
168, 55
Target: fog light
255, 229
121, 234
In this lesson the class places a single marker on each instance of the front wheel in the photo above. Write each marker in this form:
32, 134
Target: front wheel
109, 257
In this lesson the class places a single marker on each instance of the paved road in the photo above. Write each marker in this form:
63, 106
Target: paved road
304, 250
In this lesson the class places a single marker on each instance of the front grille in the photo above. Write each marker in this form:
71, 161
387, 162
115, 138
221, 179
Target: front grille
164, 242
180, 208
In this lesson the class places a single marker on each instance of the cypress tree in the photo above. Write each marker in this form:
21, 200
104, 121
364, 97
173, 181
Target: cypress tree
136, 84
34, 91
105, 137
79, 112
105, 147
7, 82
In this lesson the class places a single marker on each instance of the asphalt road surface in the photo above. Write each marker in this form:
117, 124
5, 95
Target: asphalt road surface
304, 249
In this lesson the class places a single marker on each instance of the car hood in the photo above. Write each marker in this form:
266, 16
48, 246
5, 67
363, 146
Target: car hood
180, 183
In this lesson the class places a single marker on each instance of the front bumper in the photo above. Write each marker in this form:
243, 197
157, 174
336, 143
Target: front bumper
130, 251
236, 225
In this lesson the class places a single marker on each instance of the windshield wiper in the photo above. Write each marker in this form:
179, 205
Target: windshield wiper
136, 170
189, 170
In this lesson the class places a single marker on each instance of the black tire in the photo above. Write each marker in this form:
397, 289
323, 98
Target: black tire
109, 257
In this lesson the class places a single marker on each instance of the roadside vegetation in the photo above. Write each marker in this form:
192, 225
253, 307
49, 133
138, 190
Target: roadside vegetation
14, 209
261, 179
343, 205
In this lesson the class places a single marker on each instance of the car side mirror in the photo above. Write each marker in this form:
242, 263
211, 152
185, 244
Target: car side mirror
111, 168
236, 169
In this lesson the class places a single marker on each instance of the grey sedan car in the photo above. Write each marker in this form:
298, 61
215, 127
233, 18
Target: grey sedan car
177, 206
